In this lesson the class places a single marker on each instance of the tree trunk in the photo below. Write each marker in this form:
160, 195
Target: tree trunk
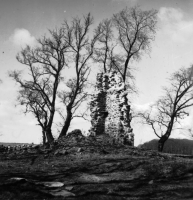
161, 143
44, 137
49, 135
165, 137
66, 124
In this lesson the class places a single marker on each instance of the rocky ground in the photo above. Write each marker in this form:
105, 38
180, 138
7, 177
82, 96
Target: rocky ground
91, 168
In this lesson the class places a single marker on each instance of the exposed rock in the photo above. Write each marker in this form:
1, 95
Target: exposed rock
79, 150
63, 193
52, 184
69, 188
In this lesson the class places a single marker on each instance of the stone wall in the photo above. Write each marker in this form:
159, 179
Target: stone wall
110, 111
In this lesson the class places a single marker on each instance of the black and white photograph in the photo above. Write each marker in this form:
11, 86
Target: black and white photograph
96, 99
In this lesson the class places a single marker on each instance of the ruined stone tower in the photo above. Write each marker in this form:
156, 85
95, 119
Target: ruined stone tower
110, 111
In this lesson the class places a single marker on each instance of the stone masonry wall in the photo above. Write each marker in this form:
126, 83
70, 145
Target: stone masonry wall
110, 111
98, 106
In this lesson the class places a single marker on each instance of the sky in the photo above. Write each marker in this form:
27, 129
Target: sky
23, 21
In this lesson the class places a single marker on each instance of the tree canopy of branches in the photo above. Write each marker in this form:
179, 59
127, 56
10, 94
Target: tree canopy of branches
44, 63
136, 30
104, 51
68, 46
172, 107
125, 37
81, 50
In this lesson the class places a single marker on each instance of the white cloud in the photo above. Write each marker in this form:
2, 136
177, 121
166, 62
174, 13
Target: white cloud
142, 107
170, 14
174, 25
22, 37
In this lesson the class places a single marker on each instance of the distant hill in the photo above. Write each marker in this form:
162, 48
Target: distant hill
176, 146
12, 144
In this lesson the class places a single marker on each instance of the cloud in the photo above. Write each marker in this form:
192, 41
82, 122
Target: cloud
22, 37
170, 14
142, 107
174, 24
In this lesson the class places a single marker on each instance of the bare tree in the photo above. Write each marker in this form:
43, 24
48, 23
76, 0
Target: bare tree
66, 96
105, 53
125, 37
81, 49
44, 63
136, 30
34, 103
105, 45
172, 107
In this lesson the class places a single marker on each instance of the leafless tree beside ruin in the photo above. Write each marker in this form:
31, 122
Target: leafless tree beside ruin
105, 45
164, 115
81, 49
135, 31
125, 37
35, 104
68, 46
104, 54
38, 91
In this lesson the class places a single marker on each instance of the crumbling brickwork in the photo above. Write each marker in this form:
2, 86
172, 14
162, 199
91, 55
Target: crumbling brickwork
110, 111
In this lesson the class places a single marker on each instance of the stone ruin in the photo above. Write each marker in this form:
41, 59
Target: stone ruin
110, 111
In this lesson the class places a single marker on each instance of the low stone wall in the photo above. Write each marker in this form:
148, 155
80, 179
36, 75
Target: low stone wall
110, 111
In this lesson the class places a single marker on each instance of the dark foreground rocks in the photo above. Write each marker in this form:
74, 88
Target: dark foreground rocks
94, 169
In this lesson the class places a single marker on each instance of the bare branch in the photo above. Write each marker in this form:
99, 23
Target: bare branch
44, 63
136, 29
82, 48
173, 106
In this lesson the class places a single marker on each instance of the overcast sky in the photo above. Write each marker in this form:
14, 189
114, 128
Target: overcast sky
22, 21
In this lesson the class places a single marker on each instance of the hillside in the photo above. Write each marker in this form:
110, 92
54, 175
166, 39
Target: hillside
175, 146
94, 168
